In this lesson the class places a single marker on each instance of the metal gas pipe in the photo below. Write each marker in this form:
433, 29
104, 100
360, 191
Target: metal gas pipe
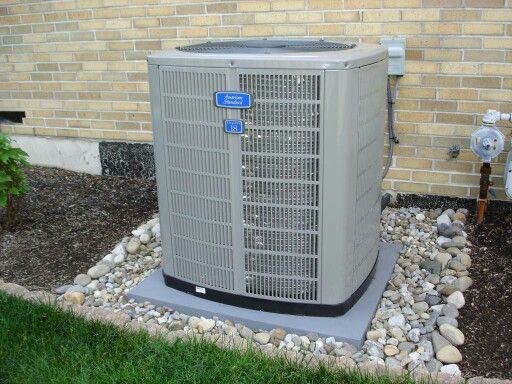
487, 142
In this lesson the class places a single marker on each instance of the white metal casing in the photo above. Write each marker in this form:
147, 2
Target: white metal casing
288, 211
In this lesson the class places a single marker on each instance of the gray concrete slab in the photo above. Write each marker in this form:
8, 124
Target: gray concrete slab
350, 328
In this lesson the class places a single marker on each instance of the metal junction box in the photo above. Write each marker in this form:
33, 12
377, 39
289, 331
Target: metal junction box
269, 157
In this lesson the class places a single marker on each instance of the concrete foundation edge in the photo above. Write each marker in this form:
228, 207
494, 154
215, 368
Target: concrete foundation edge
350, 328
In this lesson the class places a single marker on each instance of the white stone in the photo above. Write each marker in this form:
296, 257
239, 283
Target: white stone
205, 325
118, 259
420, 217
451, 369
145, 238
261, 337
457, 299
442, 240
449, 354
133, 245
396, 321
443, 219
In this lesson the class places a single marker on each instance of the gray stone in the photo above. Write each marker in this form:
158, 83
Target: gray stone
456, 242
443, 219
407, 346
434, 213
448, 212
420, 307
450, 230
176, 325
456, 265
452, 334
447, 320
432, 300
438, 341
464, 283
246, 333
82, 279
464, 258
414, 335
396, 321
432, 266
312, 336
433, 365
98, 271
374, 349
451, 369
62, 289
460, 216
450, 310
453, 251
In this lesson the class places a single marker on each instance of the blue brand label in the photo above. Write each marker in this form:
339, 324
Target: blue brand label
238, 100
233, 126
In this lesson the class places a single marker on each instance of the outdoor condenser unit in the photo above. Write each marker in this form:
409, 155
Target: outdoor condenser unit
269, 157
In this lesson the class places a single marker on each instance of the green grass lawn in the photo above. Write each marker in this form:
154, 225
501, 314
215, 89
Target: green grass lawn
42, 344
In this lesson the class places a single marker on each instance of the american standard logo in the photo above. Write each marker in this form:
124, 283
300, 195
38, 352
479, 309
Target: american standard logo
236, 100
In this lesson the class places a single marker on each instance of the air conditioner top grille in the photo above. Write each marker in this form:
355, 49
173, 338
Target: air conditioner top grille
266, 46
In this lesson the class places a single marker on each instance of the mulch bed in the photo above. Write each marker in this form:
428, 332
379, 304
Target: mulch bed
486, 319
69, 221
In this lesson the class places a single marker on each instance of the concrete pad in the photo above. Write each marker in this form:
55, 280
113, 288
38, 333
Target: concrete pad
350, 327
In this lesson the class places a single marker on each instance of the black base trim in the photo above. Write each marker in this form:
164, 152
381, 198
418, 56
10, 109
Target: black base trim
306, 309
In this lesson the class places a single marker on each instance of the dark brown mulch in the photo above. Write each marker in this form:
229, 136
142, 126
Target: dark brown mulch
68, 222
486, 319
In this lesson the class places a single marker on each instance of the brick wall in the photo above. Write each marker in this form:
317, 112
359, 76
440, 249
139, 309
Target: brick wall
77, 67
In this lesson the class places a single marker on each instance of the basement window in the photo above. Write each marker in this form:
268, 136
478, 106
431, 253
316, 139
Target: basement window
10, 117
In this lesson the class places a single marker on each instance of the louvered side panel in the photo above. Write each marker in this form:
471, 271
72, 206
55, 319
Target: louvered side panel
198, 169
280, 159
369, 155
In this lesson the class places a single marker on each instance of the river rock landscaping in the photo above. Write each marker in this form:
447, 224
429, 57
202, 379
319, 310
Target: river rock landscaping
415, 326
445, 308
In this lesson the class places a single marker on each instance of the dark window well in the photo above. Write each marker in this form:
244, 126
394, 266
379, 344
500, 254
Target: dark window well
11, 117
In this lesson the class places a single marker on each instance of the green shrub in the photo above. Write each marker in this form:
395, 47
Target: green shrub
13, 181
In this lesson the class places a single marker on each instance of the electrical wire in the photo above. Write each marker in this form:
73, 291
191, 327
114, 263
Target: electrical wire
391, 124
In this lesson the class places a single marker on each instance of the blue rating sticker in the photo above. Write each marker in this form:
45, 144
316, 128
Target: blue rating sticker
233, 126
236, 100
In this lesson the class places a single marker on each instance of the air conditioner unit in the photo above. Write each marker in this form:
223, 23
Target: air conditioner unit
269, 156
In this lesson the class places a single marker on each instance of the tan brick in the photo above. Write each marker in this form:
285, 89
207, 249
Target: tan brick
438, 105
455, 118
449, 190
238, 19
381, 15
411, 187
325, 4
253, 6
442, 3
417, 93
413, 163
257, 30
415, 117
304, 17
191, 9
483, 29
442, 28
421, 67
453, 165
443, 54
484, 56
496, 69
461, 42
270, 18
287, 5
475, 106
497, 15
290, 30
460, 68
148, 45
362, 29
221, 8
485, 3
161, 11
205, 20
458, 94
106, 13
362, 4
145, 23
224, 32
331, 17
460, 15
422, 42
193, 32
496, 95
420, 15
163, 33
497, 42
430, 177
481, 82
326, 29
133, 12
401, 28
398, 174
